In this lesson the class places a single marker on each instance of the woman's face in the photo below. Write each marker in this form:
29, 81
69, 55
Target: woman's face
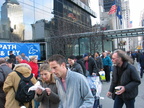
45, 75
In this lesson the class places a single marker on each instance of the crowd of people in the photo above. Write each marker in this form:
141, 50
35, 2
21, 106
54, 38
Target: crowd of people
65, 79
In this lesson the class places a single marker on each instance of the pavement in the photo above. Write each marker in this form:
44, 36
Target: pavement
108, 103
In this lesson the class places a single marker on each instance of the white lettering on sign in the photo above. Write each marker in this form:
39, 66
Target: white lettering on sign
16, 52
2, 53
12, 47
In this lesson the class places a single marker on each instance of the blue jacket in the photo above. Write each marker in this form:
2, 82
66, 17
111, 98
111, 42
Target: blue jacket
107, 61
77, 94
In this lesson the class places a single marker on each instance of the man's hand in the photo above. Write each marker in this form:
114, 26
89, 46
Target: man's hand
122, 89
109, 94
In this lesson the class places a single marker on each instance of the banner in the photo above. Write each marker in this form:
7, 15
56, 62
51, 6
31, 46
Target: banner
30, 49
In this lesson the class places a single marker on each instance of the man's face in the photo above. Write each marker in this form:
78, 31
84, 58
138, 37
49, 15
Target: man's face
57, 69
71, 61
115, 59
85, 58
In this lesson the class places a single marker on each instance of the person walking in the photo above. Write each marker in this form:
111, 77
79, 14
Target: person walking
49, 97
141, 60
107, 63
98, 60
4, 71
34, 65
90, 65
73, 88
12, 57
24, 57
20, 60
125, 76
74, 66
11, 85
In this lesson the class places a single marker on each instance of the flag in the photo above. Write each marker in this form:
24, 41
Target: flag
113, 9
130, 24
118, 14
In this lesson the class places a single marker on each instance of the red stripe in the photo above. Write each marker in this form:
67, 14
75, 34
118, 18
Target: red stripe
113, 9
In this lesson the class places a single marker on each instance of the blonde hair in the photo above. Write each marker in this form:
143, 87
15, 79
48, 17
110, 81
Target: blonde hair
32, 58
47, 68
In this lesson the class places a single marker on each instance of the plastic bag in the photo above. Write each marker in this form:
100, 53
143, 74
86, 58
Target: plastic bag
95, 85
102, 75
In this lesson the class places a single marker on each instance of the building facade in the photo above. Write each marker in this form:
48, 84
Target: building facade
12, 14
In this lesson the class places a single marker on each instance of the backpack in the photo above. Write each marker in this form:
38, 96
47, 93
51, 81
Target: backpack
22, 95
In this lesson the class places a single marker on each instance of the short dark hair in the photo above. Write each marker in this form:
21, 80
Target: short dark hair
9, 61
58, 58
10, 52
72, 57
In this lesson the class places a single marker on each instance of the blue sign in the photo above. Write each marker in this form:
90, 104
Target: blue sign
30, 49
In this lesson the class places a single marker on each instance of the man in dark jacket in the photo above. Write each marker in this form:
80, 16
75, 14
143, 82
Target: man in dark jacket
4, 71
126, 78
141, 60
12, 57
90, 65
74, 66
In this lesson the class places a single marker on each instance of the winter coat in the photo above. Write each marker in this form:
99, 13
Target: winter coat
51, 101
99, 63
77, 68
4, 71
142, 60
129, 79
77, 94
12, 82
34, 67
92, 66
107, 61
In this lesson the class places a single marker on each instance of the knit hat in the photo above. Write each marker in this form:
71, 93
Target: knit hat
85, 55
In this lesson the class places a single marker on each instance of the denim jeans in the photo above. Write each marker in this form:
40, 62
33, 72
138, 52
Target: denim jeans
119, 102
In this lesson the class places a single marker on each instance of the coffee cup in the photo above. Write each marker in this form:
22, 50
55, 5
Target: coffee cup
117, 88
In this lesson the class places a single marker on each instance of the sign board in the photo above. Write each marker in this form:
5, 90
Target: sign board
139, 47
30, 49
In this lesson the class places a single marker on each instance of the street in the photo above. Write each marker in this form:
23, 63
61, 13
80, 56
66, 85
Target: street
108, 103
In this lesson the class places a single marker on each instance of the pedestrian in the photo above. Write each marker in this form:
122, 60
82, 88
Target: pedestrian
90, 65
107, 63
98, 60
4, 71
73, 65
141, 60
73, 88
81, 62
20, 60
125, 76
24, 57
49, 97
10, 63
138, 54
34, 65
12, 57
11, 83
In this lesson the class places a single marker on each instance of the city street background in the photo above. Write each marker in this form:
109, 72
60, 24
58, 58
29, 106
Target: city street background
108, 103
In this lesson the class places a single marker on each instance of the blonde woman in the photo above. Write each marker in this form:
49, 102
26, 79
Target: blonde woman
49, 97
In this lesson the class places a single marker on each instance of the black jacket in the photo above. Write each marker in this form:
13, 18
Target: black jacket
92, 66
77, 68
129, 79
